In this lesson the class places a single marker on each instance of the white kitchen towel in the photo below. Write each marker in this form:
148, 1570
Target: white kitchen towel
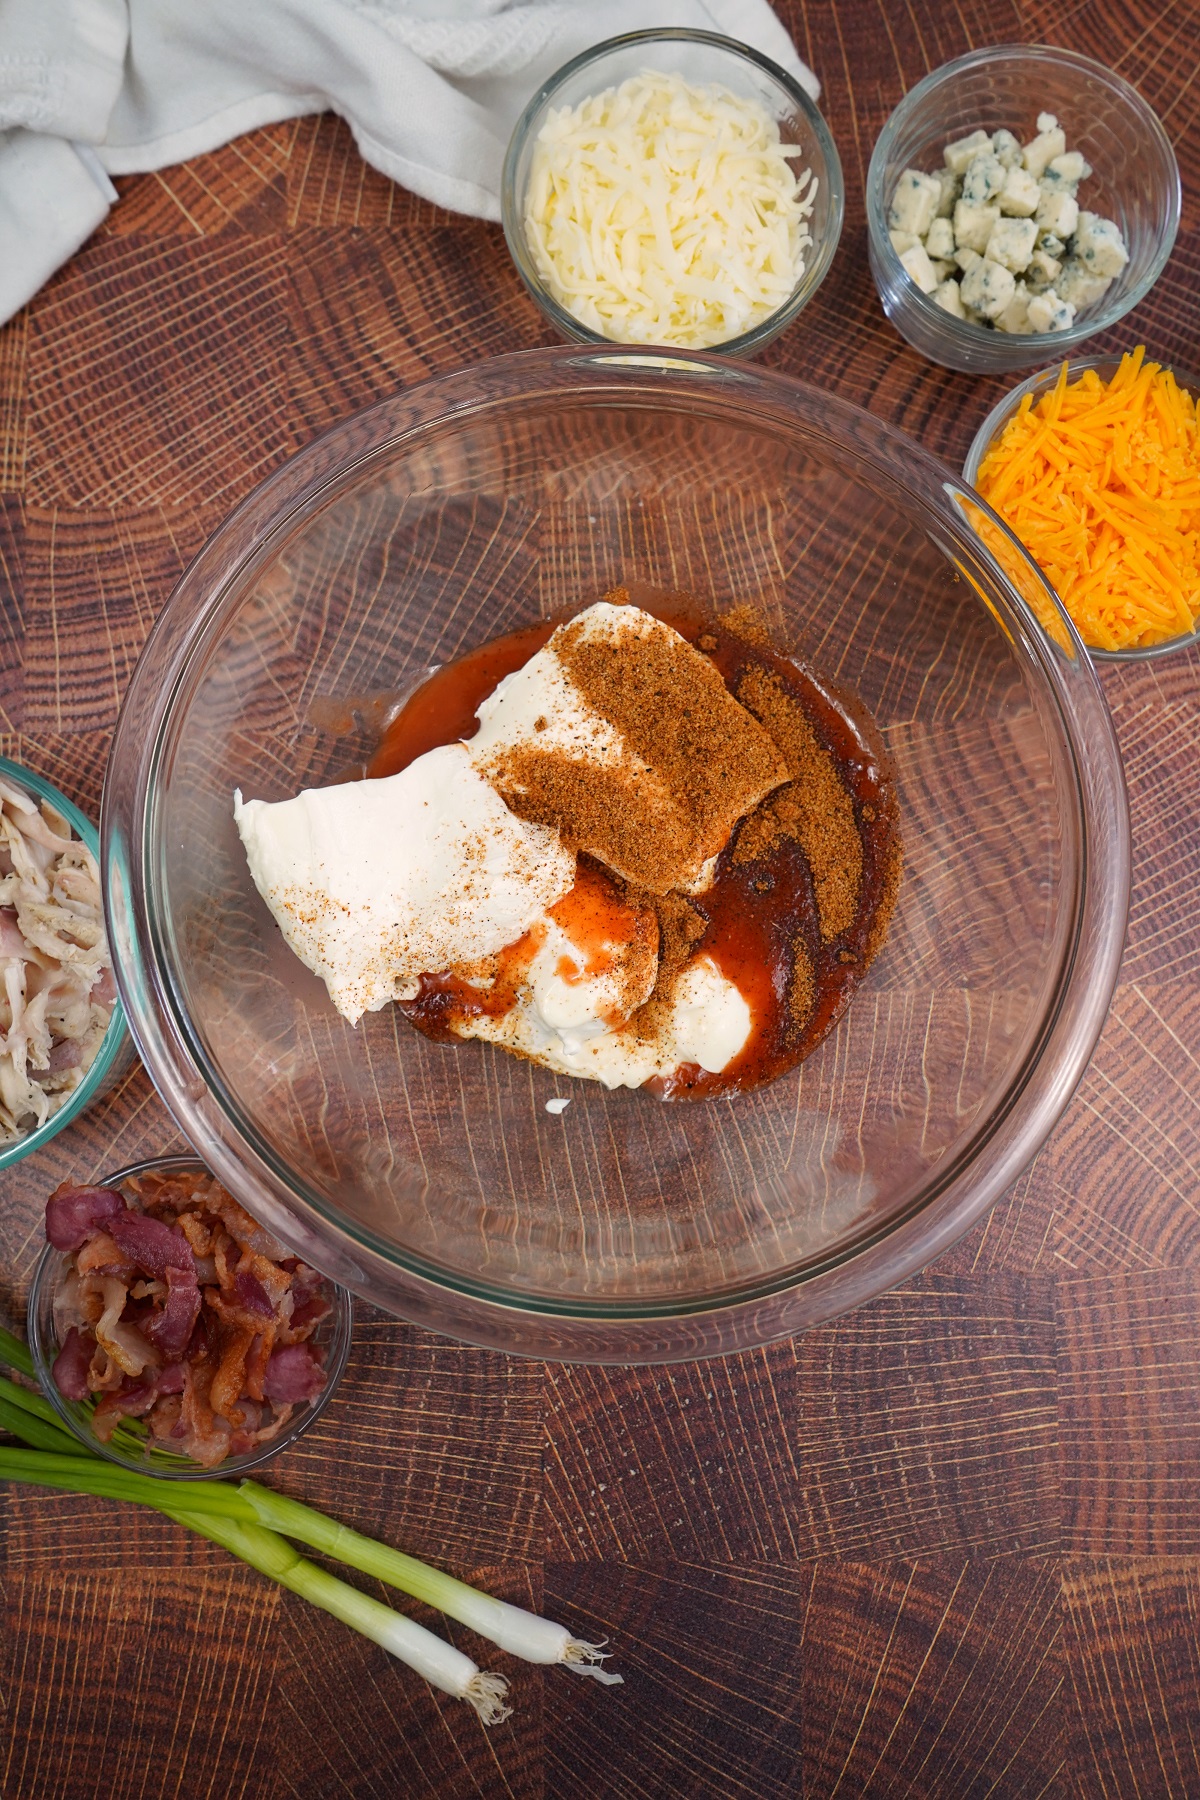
430, 88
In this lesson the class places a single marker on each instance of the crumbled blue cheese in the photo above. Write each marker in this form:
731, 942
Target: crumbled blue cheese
1051, 141
1021, 195
1099, 245
1011, 243
973, 224
998, 211
1078, 285
1066, 171
914, 202
949, 297
988, 288
1015, 317
1048, 313
1007, 146
1042, 272
948, 184
984, 178
919, 267
1057, 214
959, 154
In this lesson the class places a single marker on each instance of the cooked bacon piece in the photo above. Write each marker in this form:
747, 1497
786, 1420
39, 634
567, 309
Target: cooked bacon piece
145, 1289
153, 1246
131, 1401
293, 1374
198, 1232
222, 1307
203, 1437
134, 1399
265, 1433
275, 1282
242, 1227
306, 1316
90, 1298
103, 1252
164, 1415
256, 1364
230, 1377
251, 1295
73, 1212
124, 1343
104, 1375
170, 1329
70, 1370
225, 1256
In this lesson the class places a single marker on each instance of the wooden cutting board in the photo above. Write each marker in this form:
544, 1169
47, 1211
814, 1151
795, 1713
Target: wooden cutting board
949, 1546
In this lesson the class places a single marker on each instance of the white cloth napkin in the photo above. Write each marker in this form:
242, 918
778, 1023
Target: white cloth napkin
430, 88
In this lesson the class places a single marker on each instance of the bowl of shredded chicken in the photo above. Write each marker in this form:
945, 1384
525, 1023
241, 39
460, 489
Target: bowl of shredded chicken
171, 1332
63, 1040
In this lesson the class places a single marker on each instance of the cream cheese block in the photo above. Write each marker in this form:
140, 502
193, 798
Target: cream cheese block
375, 883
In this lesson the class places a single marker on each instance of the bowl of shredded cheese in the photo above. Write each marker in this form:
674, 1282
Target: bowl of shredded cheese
1095, 466
672, 188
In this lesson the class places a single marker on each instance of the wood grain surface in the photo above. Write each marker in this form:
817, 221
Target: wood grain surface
947, 1546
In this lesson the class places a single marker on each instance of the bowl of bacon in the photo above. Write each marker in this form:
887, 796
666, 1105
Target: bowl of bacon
171, 1333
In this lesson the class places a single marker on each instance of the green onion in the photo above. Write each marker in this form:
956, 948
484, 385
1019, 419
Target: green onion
252, 1523
16, 1354
32, 1400
23, 1424
512, 1628
91, 1476
222, 1515
439, 1662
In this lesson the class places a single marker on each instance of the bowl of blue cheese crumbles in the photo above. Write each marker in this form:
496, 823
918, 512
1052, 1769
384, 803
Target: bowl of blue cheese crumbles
1019, 195
997, 236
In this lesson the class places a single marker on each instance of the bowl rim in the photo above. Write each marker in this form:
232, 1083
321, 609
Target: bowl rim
46, 1271
116, 1034
959, 330
510, 1320
747, 342
1039, 382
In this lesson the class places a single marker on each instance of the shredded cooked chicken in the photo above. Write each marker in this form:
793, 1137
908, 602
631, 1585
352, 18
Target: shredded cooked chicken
56, 987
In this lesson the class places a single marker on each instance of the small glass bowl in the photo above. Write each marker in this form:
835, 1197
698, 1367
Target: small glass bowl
1106, 367
116, 1052
332, 1334
1134, 180
703, 58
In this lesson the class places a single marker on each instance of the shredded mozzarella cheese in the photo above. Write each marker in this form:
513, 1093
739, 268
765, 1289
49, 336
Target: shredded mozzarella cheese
662, 213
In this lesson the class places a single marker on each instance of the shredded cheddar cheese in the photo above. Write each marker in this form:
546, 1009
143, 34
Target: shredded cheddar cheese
1101, 482
662, 213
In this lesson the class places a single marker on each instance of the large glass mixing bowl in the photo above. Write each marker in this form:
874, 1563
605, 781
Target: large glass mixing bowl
431, 1179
